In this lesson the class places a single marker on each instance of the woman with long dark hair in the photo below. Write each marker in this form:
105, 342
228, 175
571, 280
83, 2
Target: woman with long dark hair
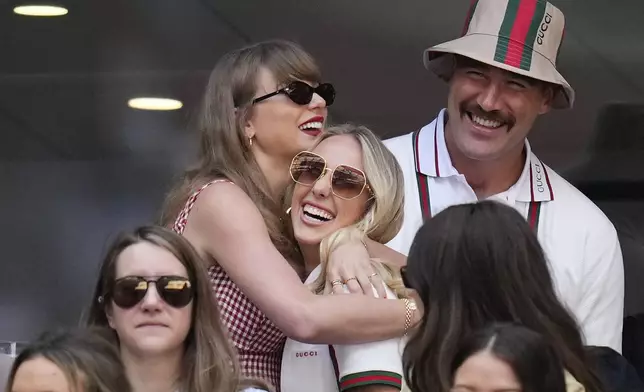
474, 264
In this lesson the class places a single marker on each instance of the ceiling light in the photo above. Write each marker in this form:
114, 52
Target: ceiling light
40, 10
149, 103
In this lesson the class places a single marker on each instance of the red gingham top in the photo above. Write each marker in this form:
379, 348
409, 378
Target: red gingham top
258, 342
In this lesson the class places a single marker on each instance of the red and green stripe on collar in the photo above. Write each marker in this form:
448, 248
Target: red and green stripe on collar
424, 196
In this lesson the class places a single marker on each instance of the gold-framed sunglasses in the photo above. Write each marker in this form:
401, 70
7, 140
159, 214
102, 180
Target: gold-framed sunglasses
347, 182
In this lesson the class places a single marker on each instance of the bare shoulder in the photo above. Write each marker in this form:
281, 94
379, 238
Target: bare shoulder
222, 210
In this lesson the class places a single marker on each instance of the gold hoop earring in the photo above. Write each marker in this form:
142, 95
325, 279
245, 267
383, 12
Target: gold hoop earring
288, 211
250, 141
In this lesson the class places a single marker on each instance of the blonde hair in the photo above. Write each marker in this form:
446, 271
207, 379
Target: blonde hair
224, 149
209, 363
383, 217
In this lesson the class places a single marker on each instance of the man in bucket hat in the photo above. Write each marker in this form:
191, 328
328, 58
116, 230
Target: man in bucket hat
502, 76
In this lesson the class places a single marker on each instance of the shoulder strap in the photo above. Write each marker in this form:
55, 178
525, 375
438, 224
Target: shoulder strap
422, 181
534, 211
181, 221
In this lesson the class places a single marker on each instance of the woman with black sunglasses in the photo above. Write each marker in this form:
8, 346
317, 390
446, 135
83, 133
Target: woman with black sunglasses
349, 186
264, 104
153, 291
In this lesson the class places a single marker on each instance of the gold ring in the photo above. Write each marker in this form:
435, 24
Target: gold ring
354, 278
372, 275
336, 282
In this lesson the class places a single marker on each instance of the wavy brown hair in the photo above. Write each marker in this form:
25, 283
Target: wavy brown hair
87, 358
224, 150
476, 264
209, 362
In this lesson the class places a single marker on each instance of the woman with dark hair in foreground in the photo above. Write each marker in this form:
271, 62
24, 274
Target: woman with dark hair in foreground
69, 361
476, 264
507, 357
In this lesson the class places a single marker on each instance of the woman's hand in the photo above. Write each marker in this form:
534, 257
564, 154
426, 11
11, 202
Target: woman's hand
350, 264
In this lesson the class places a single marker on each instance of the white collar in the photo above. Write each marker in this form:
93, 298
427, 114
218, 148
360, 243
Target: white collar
434, 161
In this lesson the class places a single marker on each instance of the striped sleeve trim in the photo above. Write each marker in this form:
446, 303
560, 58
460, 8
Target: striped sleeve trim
370, 378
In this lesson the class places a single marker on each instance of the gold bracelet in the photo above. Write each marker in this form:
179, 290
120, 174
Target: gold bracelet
410, 309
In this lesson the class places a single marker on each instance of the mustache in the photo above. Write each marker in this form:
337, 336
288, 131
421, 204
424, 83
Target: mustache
495, 115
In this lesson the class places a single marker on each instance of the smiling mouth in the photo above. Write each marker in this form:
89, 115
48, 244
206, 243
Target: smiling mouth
318, 215
314, 125
484, 122
311, 128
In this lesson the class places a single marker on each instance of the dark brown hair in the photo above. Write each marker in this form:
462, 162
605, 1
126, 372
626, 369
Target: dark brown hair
87, 357
532, 358
474, 264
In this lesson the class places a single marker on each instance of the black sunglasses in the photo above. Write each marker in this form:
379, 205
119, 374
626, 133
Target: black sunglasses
302, 94
126, 292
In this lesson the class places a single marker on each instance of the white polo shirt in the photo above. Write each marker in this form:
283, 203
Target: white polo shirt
580, 242
330, 368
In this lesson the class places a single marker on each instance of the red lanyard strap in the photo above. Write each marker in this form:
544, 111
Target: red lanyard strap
423, 182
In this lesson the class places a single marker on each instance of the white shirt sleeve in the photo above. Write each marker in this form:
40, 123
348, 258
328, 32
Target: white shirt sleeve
376, 363
602, 306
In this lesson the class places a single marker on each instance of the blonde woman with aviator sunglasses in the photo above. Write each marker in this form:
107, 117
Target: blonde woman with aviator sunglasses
348, 187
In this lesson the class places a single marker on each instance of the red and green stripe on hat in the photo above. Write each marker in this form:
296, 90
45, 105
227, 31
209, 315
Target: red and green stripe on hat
523, 28
521, 36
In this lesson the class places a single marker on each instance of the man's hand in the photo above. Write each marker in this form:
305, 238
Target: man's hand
350, 264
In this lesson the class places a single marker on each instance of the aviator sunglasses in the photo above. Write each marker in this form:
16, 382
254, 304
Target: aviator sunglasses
302, 94
347, 182
126, 292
